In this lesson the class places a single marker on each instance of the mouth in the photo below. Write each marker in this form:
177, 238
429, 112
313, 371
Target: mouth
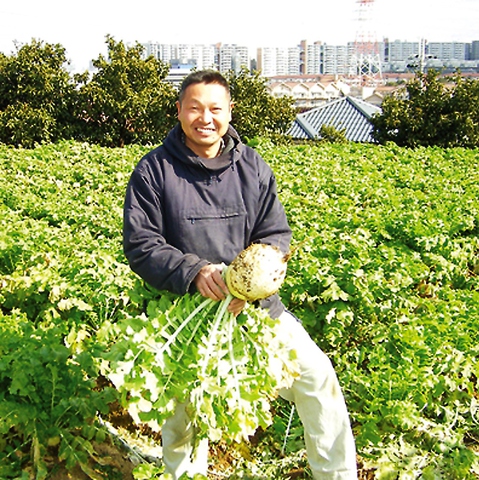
205, 130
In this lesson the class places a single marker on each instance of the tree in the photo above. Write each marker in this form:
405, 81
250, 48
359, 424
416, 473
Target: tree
256, 112
464, 112
330, 134
430, 112
127, 100
36, 92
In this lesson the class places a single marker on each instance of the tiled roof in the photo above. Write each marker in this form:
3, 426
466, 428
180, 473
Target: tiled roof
351, 114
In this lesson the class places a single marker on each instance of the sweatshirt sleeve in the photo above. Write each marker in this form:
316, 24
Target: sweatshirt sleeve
271, 224
149, 255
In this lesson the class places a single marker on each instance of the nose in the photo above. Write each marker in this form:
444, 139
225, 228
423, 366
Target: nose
206, 115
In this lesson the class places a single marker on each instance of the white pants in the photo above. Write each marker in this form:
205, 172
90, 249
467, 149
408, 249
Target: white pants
320, 405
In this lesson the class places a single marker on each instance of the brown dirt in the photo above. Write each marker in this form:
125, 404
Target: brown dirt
110, 459
112, 462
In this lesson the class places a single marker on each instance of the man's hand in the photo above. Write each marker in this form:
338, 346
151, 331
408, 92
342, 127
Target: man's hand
209, 282
236, 306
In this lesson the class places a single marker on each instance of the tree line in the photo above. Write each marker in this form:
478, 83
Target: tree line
431, 111
127, 100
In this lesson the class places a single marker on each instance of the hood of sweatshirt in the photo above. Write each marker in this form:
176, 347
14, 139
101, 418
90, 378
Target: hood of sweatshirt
176, 146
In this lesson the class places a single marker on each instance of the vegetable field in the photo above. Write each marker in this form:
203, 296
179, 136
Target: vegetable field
384, 275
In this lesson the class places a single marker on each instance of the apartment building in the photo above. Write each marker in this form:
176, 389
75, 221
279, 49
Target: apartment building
449, 50
312, 54
273, 61
475, 50
335, 60
398, 51
232, 57
222, 57
267, 61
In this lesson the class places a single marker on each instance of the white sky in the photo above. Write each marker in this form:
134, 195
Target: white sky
82, 27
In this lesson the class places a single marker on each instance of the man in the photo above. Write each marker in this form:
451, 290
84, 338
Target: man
191, 206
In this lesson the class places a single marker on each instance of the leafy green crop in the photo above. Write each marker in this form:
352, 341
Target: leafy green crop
187, 350
384, 276
47, 397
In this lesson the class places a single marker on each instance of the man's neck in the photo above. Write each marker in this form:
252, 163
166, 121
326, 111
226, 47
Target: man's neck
208, 152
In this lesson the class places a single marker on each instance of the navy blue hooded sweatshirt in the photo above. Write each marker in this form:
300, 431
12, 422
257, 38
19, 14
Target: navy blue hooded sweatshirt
182, 212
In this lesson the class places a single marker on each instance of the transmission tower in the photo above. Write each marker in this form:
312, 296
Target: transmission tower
365, 66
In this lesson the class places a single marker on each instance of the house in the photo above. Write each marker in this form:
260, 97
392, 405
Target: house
307, 91
347, 113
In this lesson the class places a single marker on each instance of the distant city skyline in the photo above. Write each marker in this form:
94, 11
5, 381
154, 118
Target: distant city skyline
82, 28
320, 58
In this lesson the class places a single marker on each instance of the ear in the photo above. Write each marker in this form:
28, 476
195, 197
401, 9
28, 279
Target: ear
231, 109
178, 107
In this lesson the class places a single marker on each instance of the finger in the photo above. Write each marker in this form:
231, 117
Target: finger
212, 290
220, 292
218, 279
209, 292
217, 285
236, 306
215, 292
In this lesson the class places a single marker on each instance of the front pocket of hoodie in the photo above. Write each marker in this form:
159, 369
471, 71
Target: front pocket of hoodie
215, 234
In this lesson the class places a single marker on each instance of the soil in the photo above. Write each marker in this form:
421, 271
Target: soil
116, 457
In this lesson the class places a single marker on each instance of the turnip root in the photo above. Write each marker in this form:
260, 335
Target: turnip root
257, 272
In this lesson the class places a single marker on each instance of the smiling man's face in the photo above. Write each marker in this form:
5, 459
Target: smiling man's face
204, 113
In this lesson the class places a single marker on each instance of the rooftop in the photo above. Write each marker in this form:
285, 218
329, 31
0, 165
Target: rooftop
347, 113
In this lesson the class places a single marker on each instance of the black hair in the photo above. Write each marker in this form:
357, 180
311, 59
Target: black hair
203, 76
